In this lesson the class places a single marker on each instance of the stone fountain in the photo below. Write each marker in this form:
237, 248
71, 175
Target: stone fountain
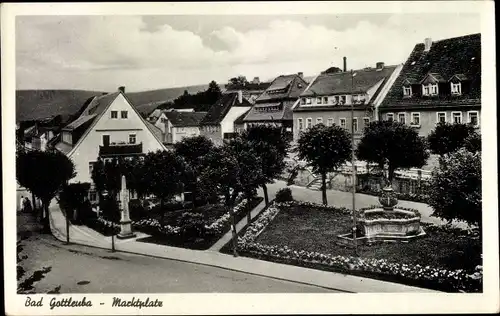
387, 223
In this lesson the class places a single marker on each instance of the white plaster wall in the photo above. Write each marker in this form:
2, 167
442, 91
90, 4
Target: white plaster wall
119, 130
227, 124
161, 125
178, 134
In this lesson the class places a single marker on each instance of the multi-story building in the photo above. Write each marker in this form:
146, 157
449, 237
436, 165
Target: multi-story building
109, 127
274, 106
218, 123
330, 97
440, 82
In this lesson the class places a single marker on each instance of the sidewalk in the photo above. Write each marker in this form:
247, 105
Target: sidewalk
330, 280
239, 226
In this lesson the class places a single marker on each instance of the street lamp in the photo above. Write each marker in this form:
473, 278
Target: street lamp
354, 219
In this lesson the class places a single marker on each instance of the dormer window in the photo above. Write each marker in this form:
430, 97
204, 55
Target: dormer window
407, 91
342, 99
456, 88
308, 100
319, 100
430, 89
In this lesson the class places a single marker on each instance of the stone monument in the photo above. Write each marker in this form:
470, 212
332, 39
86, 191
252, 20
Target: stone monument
125, 222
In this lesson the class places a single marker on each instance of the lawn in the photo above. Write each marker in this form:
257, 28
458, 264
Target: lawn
299, 229
316, 229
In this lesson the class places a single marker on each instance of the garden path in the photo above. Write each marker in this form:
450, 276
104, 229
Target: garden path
239, 226
344, 199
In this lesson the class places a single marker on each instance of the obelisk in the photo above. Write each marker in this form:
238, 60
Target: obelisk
125, 222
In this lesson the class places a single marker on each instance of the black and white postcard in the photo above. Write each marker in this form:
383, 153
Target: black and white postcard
249, 157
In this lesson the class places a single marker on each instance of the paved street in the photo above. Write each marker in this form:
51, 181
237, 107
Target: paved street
339, 198
99, 270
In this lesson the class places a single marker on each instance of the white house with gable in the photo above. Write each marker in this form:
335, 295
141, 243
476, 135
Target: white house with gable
109, 127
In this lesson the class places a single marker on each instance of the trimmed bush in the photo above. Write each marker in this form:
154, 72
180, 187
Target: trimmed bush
284, 195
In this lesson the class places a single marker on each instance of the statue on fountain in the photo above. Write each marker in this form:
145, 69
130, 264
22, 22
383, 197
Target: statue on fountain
125, 222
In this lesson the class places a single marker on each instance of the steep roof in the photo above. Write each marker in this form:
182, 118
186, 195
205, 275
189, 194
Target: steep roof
185, 118
293, 85
218, 111
240, 119
284, 112
458, 56
343, 83
91, 115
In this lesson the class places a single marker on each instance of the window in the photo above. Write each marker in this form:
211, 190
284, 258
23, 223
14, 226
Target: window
457, 117
415, 118
300, 124
389, 116
407, 91
441, 117
91, 167
92, 196
308, 100
329, 122
309, 122
325, 100
433, 89
473, 118
355, 124
342, 99
342, 122
132, 139
319, 100
124, 114
114, 114
366, 121
336, 99
456, 88
319, 120
402, 118
303, 101
105, 140
430, 89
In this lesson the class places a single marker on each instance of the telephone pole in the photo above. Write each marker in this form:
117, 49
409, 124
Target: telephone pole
354, 219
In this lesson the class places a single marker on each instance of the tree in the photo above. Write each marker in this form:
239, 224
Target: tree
232, 169
473, 142
447, 138
325, 149
270, 145
393, 144
455, 187
72, 199
44, 173
163, 173
193, 150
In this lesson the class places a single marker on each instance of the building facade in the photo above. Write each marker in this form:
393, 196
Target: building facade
440, 82
179, 125
108, 128
218, 123
274, 106
330, 98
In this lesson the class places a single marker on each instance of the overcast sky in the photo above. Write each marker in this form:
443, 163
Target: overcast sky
152, 52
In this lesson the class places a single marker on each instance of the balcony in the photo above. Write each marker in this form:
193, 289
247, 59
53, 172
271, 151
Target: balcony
120, 149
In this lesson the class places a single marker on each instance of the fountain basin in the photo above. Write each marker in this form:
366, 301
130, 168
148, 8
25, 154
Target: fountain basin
390, 223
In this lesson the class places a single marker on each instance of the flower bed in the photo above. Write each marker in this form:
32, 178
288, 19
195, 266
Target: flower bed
389, 267
194, 232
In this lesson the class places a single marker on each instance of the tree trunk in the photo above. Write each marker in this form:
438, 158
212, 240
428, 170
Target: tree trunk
33, 199
193, 197
266, 195
233, 229
323, 188
162, 211
45, 216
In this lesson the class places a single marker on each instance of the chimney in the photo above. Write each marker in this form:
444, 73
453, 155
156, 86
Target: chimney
240, 96
301, 74
345, 64
121, 89
428, 44
380, 65
256, 80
